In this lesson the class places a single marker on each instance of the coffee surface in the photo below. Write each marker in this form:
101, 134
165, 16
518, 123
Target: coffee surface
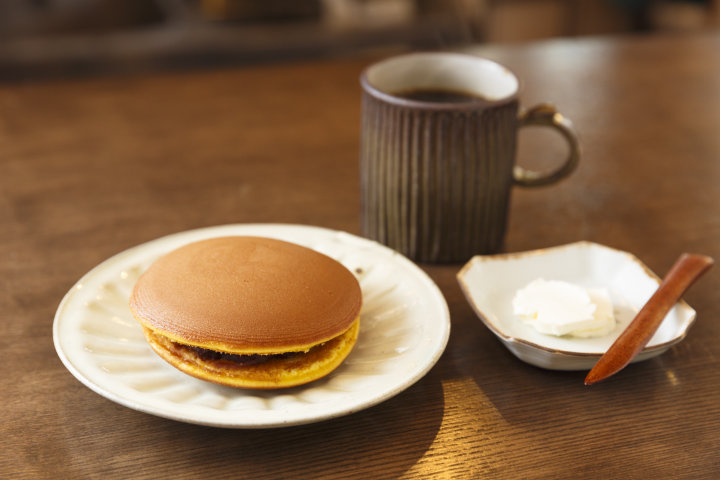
439, 95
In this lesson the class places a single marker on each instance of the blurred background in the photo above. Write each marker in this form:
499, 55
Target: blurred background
60, 38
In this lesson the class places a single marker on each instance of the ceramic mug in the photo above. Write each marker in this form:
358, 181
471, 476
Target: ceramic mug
437, 155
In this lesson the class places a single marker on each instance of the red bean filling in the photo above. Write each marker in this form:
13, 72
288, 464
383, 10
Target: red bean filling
245, 360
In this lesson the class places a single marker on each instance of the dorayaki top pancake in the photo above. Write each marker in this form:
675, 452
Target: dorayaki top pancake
210, 305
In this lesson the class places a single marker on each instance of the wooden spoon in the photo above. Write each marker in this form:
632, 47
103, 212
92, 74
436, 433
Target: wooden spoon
688, 268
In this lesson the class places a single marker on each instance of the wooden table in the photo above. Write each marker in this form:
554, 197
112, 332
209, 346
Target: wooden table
91, 167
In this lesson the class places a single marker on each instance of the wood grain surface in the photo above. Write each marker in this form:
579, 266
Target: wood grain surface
91, 167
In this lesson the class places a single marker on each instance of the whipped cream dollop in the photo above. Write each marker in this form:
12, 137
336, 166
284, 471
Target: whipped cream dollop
555, 307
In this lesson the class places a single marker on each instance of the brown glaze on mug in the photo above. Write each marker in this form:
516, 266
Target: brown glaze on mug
436, 170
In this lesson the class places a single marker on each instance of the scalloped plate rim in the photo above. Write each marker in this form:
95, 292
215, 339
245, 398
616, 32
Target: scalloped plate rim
179, 413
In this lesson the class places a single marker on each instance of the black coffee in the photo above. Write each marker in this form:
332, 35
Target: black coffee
438, 95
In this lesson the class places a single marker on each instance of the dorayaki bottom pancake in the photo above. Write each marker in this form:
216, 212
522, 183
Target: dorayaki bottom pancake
253, 371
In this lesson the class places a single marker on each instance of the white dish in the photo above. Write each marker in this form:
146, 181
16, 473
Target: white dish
405, 325
491, 281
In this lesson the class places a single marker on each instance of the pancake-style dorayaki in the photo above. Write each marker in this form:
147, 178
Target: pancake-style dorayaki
249, 312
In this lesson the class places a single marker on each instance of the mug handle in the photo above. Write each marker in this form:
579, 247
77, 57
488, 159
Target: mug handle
545, 115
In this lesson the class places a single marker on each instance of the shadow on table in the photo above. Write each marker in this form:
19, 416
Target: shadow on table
382, 441
524, 394
528, 396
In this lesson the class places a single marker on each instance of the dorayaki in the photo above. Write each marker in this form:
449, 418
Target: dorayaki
249, 312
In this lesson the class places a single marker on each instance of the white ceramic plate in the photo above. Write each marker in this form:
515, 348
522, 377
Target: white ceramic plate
404, 321
491, 281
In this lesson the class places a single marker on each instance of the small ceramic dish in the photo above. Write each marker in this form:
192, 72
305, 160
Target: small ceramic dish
491, 281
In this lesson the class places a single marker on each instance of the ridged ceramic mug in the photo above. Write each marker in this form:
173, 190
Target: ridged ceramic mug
436, 175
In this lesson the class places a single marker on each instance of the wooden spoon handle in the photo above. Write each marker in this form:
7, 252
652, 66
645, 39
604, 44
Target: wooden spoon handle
688, 268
